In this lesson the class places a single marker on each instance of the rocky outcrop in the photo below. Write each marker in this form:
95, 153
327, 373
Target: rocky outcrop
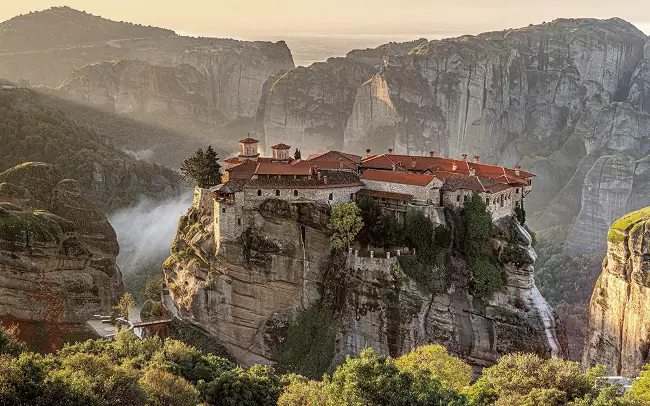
309, 107
201, 82
57, 250
243, 292
619, 321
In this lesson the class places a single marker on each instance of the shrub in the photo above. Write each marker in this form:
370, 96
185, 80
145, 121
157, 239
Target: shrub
434, 359
527, 378
346, 222
165, 389
377, 380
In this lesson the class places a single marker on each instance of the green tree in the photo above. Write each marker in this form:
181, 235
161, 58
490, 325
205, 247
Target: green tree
154, 287
419, 232
435, 361
640, 390
478, 227
258, 386
304, 392
485, 277
296, 154
519, 378
345, 222
371, 216
9, 343
165, 389
126, 302
202, 168
377, 380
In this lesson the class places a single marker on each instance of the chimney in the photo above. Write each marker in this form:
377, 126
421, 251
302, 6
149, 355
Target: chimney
464, 157
454, 166
517, 169
341, 163
325, 179
319, 175
432, 154
413, 162
390, 151
368, 153
475, 159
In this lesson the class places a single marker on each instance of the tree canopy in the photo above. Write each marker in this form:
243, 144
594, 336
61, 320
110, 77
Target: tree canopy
202, 168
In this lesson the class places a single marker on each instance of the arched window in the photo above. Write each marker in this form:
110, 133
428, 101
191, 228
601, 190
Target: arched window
502, 200
487, 201
259, 192
295, 193
277, 192
331, 196
458, 198
465, 198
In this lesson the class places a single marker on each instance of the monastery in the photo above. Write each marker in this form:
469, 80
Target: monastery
395, 182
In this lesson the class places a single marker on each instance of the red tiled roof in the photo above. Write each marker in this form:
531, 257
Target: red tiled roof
278, 168
387, 195
249, 140
434, 164
281, 146
334, 156
243, 170
406, 178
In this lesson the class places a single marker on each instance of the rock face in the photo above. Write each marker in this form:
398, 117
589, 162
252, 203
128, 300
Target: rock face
555, 98
209, 83
308, 107
619, 321
57, 251
243, 292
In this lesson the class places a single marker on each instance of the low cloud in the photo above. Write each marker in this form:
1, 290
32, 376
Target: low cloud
146, 231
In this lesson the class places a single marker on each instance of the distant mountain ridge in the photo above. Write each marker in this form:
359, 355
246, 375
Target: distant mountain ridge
66, 27
33, 129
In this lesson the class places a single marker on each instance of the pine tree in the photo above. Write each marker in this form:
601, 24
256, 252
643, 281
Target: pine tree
202, 168
296, 155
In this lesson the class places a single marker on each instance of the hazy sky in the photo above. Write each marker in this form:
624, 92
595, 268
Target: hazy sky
242, 18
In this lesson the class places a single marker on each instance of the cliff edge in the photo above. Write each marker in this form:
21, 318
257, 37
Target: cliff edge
57, 251
619, 321
278, 290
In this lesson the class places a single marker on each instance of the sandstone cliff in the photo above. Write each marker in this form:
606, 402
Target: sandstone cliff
244, 292
57, 251
619, 322
200, 81
308, 107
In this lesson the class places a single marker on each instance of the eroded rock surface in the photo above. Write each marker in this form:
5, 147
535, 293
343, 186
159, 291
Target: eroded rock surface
242, 292
620, 306
57, 250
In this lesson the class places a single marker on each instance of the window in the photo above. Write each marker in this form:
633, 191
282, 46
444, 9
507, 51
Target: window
331, 196
277, 192
351, 196
487, 201
223, 209
458, 198
239, 222
465, 198
502, 200
259, 192
517, 190
295, 193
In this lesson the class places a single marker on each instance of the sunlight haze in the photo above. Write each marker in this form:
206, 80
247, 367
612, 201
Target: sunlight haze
254, 19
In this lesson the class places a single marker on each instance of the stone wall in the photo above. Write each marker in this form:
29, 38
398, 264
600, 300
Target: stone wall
338, 195
422, 193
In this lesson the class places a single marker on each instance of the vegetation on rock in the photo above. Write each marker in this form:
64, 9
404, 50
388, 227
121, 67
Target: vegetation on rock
345, 222
32, 131
618, 230
486, 277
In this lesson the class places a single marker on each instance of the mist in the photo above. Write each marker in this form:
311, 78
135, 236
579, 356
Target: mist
145, 231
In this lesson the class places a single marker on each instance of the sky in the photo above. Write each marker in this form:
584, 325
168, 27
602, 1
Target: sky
253, 18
